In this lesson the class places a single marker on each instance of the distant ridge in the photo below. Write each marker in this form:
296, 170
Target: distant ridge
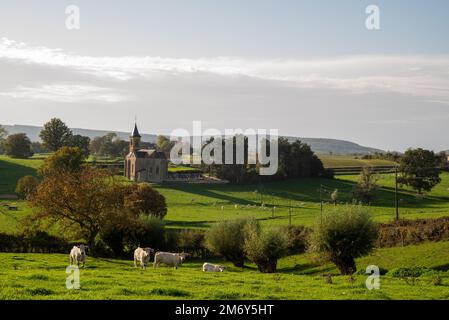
318, 145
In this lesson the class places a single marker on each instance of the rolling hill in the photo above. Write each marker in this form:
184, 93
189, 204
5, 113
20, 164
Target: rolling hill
319, 145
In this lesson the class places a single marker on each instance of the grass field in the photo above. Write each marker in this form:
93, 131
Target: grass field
42, 276
337, 161
200, 205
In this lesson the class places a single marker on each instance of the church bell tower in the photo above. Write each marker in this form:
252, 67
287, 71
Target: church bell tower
134, 140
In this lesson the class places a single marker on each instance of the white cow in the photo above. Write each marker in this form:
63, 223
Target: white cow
142, 256
78, 254
209, 267
172, 259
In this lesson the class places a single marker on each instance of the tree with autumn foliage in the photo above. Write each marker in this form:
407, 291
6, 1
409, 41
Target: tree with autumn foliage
86, 201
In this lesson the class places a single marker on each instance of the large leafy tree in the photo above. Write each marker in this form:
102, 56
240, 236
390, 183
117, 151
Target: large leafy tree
420, 169
164, 144
55, 134
66, 159
81, 142
109, 145
80, 203
18, 146
86, 202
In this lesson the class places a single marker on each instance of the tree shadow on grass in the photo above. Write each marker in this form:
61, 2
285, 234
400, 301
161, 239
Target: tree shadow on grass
10, 173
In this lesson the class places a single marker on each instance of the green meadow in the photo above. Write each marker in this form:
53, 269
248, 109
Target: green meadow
43, 276
298, 201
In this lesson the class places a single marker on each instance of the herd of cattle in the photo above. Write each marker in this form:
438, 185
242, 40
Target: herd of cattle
142, 256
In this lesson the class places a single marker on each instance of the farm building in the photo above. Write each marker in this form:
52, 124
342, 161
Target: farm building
144, 165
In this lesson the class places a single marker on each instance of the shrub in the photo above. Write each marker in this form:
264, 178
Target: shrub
408, 272
297, 238
151, 233
404, 232
366, 186
26, 187
264, 248
144, 199
344, 235
227, 238
192, 241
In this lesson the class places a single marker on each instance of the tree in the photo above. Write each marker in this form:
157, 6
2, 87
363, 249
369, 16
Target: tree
366, 186
82, 203
18, 146
81, 142
344, 235
109, 145
37, 147
3, 135
27, 187
55, 134
164, 144
227, 238
264, 248
144, 199
66, 159
419, 169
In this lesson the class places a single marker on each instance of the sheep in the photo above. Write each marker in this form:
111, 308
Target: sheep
78, 254
142, 256
173, 259
209, 267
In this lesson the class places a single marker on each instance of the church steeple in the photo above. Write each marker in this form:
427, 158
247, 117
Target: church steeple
134, 139
135, 132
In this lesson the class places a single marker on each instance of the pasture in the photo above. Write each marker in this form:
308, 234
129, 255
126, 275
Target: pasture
43, 276
201, 205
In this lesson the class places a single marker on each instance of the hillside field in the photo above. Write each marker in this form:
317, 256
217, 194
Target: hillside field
42, 276
200, 205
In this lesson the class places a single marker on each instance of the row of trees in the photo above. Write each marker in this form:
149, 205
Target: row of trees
56, 134
295, 160
340, 237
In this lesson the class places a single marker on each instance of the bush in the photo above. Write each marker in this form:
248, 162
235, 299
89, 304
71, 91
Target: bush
344, 235
151, 233
297, 238
192, 241
366, 186
405, 232
27, 186
265, 248
33, 242
227, 238
408, 272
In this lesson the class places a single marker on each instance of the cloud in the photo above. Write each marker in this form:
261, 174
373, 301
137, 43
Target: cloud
422, 76
65, 93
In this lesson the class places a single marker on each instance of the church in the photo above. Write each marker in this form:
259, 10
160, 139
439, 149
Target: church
144, 165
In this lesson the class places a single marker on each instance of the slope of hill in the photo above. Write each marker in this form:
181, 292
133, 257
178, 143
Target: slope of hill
319, 145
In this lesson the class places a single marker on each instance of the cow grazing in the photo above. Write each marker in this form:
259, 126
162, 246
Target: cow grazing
171, 259
78, 254
142, 256
209, 267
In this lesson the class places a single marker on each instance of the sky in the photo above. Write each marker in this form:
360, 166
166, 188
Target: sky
306, 68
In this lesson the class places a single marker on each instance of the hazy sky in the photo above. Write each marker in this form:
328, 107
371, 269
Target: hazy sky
307, 68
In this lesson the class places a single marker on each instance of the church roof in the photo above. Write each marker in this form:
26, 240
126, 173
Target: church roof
135, 132
150, 153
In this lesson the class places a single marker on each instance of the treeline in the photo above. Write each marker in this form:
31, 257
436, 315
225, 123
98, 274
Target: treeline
295, 160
